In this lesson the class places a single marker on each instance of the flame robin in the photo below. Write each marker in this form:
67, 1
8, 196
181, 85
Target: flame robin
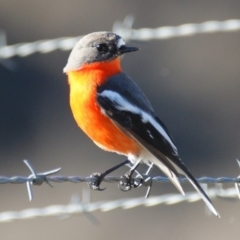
111, 109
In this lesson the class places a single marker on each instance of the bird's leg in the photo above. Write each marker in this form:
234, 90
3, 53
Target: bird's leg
100, 176
129, 182
139, 175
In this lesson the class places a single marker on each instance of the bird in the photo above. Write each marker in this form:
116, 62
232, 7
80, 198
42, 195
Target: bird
115, 113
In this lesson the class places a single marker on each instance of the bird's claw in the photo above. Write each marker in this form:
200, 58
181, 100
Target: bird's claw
95, 185
128, 182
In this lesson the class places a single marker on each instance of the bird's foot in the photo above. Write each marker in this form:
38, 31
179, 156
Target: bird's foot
95, 185
128, 182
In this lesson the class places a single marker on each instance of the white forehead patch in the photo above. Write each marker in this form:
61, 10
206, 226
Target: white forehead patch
120, 43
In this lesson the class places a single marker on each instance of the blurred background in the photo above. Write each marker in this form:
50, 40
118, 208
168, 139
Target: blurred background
192, 82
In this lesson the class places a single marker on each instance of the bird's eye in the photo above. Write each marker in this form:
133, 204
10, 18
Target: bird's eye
102, 47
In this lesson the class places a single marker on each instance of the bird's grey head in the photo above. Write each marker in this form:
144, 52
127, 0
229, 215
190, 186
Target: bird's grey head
96, 47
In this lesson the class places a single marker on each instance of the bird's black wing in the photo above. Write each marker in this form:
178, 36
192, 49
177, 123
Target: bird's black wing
124, 103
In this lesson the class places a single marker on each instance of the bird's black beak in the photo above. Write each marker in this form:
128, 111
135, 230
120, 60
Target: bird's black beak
125, 49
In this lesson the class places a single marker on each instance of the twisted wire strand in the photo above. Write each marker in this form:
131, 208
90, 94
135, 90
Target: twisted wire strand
104, 206
110, 179
125, 30
85, 207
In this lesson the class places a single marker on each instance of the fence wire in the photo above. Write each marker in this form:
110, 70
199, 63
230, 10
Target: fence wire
140, 180
109, 179
85, 208
122, 28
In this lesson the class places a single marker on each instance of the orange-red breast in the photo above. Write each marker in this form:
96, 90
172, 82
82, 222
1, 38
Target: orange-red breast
110, 108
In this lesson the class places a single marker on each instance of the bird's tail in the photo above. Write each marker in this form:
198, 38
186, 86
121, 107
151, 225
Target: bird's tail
173, 168
170, 174
184, 171
204, 196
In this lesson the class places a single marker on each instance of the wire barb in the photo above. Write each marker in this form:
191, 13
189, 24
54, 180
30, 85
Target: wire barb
37, 178
81, 207
148, 180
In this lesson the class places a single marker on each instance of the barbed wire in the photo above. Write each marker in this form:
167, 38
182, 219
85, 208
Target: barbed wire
110, 179
145, 179
124, 29
86, 207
